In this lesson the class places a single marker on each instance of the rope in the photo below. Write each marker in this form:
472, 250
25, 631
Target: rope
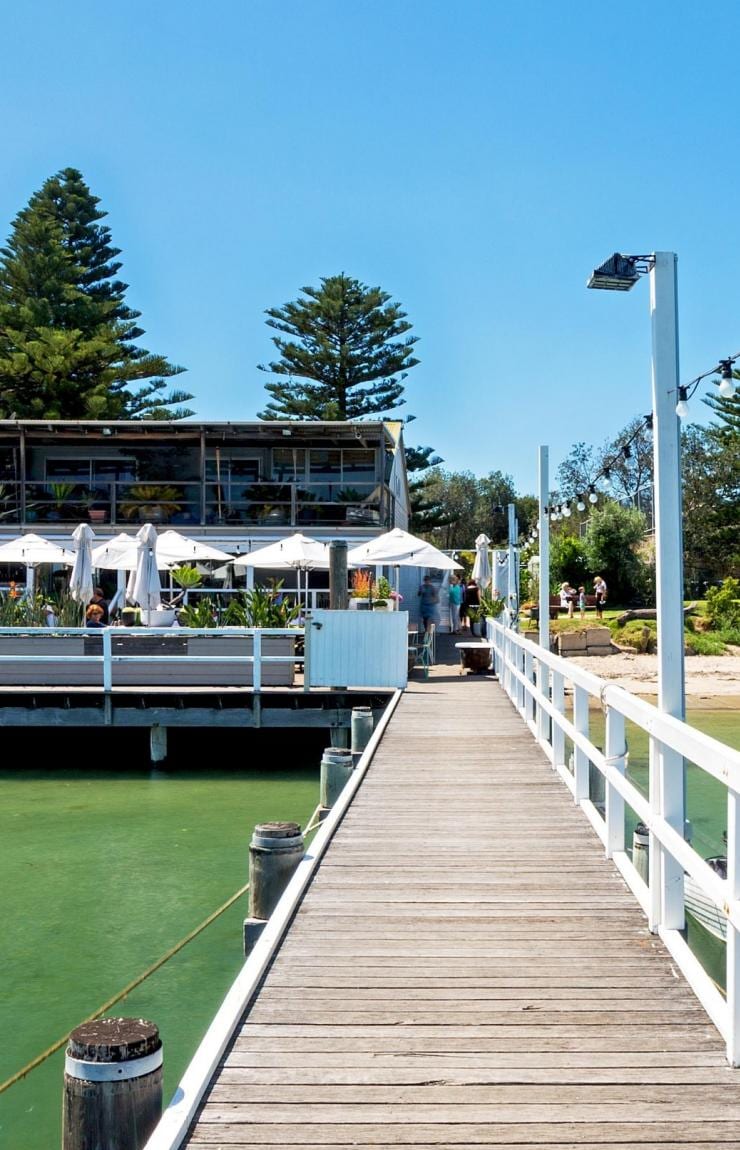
125, 992
41, 1058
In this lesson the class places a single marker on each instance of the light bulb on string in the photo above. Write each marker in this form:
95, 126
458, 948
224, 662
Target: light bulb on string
592, 496
566, 510
727, 383
580, 504
682, 407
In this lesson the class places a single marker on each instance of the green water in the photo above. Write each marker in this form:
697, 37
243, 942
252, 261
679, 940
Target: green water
706, 805
104, 869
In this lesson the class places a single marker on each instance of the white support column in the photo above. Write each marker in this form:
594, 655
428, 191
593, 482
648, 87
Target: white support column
580, 758
512, 599
615, 748
107, 663
654, 847
257, 661
668, 563
543, 677
733, 943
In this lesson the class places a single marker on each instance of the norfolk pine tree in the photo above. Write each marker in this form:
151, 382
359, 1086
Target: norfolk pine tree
67, 337
343, 358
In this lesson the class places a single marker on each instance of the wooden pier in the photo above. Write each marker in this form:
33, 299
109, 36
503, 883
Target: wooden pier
466, 970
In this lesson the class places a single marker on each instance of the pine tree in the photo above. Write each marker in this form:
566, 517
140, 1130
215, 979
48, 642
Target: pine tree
728, 411
343, 358
67, 337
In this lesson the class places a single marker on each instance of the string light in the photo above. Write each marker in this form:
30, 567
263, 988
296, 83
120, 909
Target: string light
682, 407
592, 496
580, 504
727, 384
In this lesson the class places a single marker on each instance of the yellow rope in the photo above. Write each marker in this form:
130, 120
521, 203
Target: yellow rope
37, 1061
123, 993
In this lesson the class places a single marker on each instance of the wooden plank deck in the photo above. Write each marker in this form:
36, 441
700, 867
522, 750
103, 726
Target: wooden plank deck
467, 970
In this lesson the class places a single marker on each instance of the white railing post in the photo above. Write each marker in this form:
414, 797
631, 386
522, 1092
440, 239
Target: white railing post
107, 663
257, 661
654, 847
558, 735
307, 655
543, 692
528, 696
521, 694
580, 758
733, 943
615, 748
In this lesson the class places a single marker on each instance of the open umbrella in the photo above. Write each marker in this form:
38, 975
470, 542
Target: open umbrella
172, 547
398, 548
297, 552
81, 579
482, 565
117, 554
144, 587
32, 550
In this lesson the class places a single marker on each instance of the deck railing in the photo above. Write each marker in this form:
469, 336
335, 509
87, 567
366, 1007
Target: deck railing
107, 659
535, 681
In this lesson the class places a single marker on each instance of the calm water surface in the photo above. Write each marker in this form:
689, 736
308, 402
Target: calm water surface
105, 867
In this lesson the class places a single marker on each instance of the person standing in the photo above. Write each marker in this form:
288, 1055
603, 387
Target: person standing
455, 598
99, 600
582, 602
429, 603
471, 598
600, 593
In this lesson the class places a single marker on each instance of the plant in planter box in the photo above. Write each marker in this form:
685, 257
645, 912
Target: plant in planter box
491, 606
154, 502
60, 493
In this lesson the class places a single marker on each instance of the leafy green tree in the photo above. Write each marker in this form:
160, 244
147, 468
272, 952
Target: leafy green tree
569, 560
612, 544
344, 356
68, 345
710, 462
631, 474
727, 410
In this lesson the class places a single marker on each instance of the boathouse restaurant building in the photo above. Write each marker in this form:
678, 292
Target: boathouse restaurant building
237, 485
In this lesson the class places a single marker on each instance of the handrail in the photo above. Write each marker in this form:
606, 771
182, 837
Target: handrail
533, 679
108, 658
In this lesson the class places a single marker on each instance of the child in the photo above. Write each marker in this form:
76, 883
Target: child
582, 602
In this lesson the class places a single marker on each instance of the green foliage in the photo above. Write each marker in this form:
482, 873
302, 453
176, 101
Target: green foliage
200, 614
261, 607
613, 536
30, 611
67, 337
382, 588
490, 606
186, 576
697, 643
569, 561
723, 604
639, 634
711, 503
343, 358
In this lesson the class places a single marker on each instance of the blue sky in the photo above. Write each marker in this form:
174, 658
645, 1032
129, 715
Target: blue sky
476, 159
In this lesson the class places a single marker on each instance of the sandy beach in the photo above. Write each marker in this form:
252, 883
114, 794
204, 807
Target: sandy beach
707, 676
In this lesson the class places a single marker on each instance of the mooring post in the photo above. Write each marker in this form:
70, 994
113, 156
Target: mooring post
362, 729
337, 765
275, 851
157, 743
340, 736
641, 851
112, 1085
338, 593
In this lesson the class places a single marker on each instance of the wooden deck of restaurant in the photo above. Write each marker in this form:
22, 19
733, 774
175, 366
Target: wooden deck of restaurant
467, 970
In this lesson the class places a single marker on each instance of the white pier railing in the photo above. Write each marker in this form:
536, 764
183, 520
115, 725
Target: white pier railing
535, 681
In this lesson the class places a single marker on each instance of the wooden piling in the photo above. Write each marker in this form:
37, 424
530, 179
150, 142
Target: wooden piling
275, 851
641, 850
336, 767
338, 592
112, 1085
157, 743
362, 729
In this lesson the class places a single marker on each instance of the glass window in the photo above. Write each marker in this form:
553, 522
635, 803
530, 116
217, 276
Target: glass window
358, 466
124, 470
73, 470
289, 464
326, 466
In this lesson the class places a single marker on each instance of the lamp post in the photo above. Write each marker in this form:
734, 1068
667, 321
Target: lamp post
621, 273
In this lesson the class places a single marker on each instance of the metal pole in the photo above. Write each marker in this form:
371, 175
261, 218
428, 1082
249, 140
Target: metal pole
668, 562
544, 477
512, 593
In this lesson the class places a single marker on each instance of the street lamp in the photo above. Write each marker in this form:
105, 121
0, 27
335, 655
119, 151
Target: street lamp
621, 273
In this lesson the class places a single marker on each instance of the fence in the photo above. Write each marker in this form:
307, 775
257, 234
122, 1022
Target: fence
535, 681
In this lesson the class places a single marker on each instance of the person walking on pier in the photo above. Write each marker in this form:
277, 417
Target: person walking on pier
429, 603
455, 598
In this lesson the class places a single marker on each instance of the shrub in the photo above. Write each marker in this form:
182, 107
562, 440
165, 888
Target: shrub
723, 604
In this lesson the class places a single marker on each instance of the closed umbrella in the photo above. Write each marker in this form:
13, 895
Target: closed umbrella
482, 565
144, 586
81, 579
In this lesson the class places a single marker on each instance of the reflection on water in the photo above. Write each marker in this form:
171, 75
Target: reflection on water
106, 864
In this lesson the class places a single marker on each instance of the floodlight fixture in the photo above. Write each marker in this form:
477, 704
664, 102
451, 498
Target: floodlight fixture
620, 272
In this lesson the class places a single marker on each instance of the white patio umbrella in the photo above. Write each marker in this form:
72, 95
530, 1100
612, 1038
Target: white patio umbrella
482, 566
31, 551
144, 586
398, 548
297, 552
81, 579
117, 554
176, 548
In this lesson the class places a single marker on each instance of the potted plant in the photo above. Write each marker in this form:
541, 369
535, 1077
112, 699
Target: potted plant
60, 492
360, 596
154, 503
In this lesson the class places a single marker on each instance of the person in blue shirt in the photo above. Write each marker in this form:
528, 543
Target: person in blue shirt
455, 597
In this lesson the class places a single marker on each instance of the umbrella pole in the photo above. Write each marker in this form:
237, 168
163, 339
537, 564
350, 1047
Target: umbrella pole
30, 581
